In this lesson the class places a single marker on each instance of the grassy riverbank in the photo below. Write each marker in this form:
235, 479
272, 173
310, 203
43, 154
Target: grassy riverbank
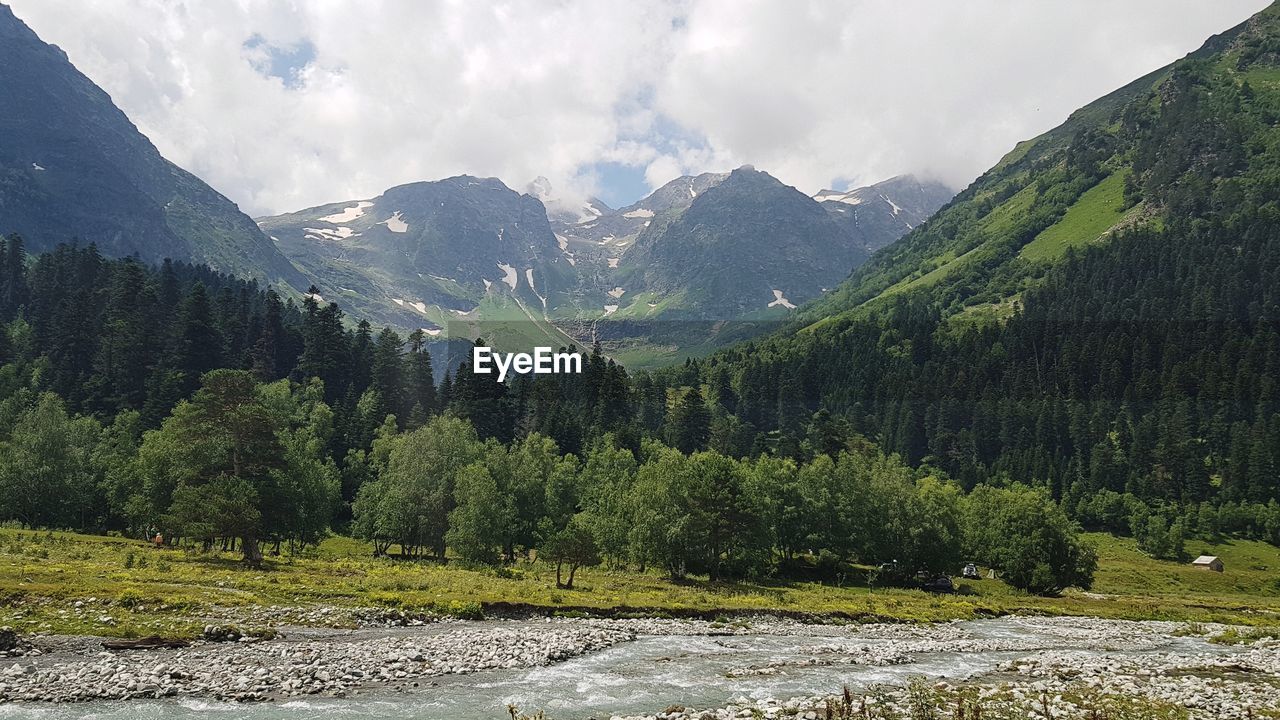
69, 583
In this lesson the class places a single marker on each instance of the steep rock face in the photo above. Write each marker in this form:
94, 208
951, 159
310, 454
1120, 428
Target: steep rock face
73, 167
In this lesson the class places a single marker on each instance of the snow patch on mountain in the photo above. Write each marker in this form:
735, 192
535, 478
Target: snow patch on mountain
396, 223
564, 248
348, 214
780, 299
588, 214
509, 275
528, 275
851, 197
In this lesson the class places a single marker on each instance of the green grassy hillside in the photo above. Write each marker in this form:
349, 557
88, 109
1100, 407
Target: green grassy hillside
1098, 210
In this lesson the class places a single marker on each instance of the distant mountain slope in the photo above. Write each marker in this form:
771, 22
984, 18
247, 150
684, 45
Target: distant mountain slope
456, 254
878, 214
746, 245
72, 166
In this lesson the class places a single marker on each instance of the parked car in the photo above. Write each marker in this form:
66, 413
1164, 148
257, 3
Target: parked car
970, 572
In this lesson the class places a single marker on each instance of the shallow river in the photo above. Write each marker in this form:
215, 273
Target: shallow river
637, 677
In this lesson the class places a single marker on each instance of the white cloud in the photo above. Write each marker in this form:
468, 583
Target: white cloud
814, 92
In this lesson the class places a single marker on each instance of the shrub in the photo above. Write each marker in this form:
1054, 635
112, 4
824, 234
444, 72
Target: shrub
130, 598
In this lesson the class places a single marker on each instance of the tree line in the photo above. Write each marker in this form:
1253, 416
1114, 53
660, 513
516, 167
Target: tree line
441, 487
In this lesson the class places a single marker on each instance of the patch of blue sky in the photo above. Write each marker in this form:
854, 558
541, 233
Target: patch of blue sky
620, 185
283, 62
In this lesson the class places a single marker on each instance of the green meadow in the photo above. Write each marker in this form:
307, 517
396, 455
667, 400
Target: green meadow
83, 584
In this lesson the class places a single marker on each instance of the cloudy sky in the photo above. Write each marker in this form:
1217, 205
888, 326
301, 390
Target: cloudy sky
292, 103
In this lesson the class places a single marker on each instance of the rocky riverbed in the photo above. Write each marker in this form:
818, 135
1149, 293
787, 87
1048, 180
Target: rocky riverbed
752, 667
308, 663
1131, 675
